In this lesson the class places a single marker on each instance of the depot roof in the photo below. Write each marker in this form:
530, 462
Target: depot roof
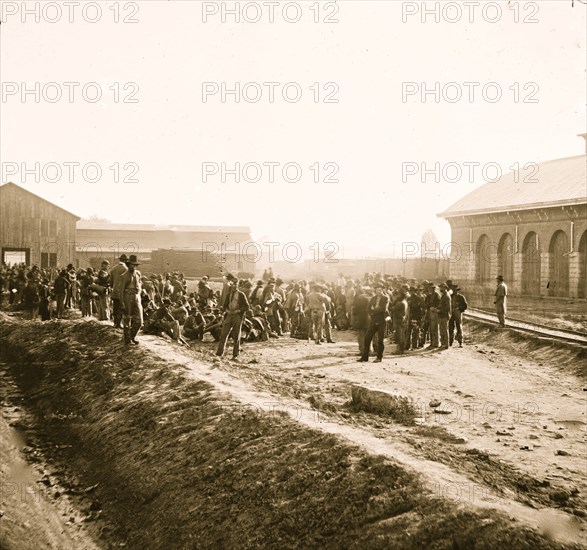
558, 182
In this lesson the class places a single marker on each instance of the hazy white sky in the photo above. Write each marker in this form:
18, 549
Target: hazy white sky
170, 52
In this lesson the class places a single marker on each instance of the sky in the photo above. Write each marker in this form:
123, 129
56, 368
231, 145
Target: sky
358, 139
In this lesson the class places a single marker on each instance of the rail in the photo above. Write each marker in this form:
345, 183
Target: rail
534, 328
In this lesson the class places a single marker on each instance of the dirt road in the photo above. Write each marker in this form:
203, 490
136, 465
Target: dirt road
509, 432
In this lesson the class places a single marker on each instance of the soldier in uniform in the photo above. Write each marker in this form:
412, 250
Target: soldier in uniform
130, 290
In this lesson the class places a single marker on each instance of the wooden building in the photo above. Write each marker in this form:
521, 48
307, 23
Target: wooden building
191, 249
534, 233
33, 230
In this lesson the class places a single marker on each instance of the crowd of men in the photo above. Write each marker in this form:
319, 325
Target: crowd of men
412, 314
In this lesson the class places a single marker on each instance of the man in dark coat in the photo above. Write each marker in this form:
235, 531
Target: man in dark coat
360, 316
378, 314
31, 299
444, 312
432, 305
459, 306
60, 288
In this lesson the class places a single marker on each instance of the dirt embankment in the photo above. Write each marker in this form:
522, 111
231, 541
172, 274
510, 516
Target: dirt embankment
176, 464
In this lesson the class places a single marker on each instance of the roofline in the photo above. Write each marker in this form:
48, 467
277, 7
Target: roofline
512, 208
157, 228
77, 218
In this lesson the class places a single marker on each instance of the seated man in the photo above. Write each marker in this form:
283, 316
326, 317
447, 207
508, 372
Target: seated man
194, 325
162, 320
213, 323
180, 312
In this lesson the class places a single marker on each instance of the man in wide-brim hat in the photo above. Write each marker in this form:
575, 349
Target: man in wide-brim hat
130, 291
459, 306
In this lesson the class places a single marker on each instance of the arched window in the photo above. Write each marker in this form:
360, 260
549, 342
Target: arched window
482, 260
531, 264
505, 258
558, 252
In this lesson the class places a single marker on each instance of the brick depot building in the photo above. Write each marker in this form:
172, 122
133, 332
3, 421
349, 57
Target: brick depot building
33, 230
534, 234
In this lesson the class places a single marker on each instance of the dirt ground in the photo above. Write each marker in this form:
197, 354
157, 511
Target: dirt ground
270, 452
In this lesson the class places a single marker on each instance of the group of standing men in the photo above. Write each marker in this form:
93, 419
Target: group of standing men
412, 314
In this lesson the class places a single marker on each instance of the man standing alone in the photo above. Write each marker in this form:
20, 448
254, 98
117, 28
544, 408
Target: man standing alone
459, 306
235, 305
501, 293
130, 290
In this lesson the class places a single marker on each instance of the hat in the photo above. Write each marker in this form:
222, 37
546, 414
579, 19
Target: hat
412, 289
259, 283
499, 278
123, 258
449, 283
442, 285
278, 281
456, 288
133, 260
205, 278
166, 302
105, 262
230, 277
271, 281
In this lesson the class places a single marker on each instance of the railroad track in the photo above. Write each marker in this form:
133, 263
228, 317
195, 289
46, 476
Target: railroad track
533, 328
